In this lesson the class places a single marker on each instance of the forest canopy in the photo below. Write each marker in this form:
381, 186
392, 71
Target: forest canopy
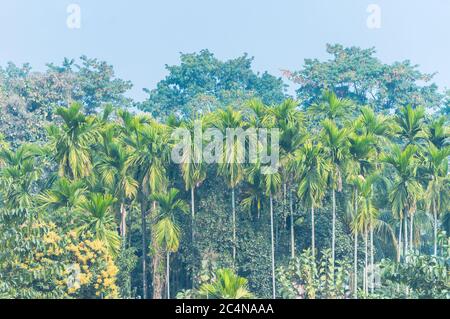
93, 206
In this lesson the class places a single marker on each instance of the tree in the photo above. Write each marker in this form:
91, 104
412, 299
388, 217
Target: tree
202, 74
289, 121
336, 143
356, 73
406, 190
147, 140
95, 216
412, 125
166, 227
226, 285
331, 107
71, 142
233, 153
437, 169
312, 170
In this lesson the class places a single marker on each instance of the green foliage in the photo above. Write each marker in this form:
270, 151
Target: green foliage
304, 278
426, 276
201, 76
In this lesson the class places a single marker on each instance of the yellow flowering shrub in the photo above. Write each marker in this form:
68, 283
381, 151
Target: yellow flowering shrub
64, 265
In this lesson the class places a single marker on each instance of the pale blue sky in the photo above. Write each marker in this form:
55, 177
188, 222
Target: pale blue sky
140, 36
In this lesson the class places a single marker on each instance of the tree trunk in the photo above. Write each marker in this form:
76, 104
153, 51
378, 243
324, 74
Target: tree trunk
313, 235
355, 265
405, 235
123, 222
291, 208
356, 247
366, 261
144, 249
400, 246
411, 233
193, 232
233, 205
333, 232
273, 247
372, 264
158, 272
168, 273
435, 226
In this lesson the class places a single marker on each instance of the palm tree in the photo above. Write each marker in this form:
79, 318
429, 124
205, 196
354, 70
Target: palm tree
19, 175
437, 171
149, 153
231, 167
336, 143
193, 170
166, 228
331, 107
312, 171
288, 120
71, 142
438, 132
112, 170
411, 123
406, 190
226, 285
96, 217
361, 153
366, 221
64, 194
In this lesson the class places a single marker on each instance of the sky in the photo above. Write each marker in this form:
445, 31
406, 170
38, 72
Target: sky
139, 37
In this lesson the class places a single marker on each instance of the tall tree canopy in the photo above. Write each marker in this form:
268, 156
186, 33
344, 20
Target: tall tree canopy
202, 82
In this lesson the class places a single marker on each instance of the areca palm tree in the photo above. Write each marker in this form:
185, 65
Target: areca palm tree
437, 171
361, 153
336, 143
112, 170
288, 120
231, 166
366, 221
312, 171
411, 122
166, 227
149, 153
64, 193
71, 142
438, 132
406, 190
19, 174
331, 107
226, 285
96, 217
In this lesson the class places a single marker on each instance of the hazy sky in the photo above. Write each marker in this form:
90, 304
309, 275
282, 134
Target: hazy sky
140, 36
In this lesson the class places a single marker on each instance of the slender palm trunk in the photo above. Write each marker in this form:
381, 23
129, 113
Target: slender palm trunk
234, 224
273, 247
123, 221
168, 273
435, 226
144, 249
291, 208
372, 264
193, 231
313, 235
411, 233
333, 232
355, 265
405, 237
400, 245
366, 261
